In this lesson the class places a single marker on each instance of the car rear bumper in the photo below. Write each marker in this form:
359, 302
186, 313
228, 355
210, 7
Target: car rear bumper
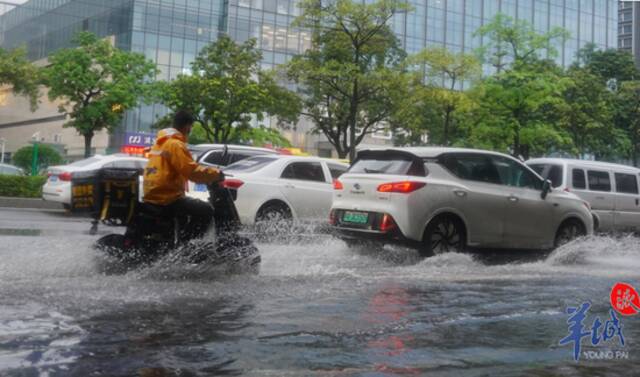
392, 237
374, 230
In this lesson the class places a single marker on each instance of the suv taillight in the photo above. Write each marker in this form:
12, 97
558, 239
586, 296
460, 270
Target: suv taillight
333, 220
401, 187
387, 223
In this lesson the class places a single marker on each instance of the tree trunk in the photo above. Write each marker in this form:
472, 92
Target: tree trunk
634, 146
447, 119
87, 144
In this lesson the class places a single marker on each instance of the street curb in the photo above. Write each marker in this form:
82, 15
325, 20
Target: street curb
33, 203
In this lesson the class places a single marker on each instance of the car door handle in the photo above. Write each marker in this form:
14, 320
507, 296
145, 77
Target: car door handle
600, 197
460, 193
290, 186
513, 198
637, 201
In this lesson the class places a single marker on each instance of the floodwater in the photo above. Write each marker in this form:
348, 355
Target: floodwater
316, 309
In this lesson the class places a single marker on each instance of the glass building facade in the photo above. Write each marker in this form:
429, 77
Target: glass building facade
171, 32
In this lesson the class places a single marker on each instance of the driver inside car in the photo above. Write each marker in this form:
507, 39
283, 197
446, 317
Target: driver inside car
165, 178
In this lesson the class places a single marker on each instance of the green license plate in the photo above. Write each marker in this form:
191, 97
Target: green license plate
355, 217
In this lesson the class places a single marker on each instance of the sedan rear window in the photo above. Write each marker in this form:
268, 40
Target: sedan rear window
388, 164
251, 164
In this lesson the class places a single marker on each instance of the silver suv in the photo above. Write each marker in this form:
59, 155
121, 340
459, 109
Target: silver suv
445, 199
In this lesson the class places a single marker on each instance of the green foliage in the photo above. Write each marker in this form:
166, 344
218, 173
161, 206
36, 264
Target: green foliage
97, 83
198, 135
628, 114
226, 88
260, 137
21, 186
47, 156
521, 102
511, 42
17, 71
611, 66
351, 78
434, 106
586, 113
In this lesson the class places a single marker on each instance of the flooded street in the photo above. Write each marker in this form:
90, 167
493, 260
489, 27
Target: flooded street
316, 308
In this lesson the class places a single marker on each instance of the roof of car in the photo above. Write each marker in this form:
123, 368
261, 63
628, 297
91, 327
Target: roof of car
431, 152
207, 147
590, 163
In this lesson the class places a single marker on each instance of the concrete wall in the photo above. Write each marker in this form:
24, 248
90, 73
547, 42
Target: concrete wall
18, 124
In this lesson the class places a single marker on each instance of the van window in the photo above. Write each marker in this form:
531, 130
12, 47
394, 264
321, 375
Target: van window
626, 183
554, 173
513, 174
599, 181
578, 179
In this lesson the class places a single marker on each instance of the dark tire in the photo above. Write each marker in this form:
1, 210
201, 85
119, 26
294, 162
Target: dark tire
444, 234
568, 231
274, 219
110, 243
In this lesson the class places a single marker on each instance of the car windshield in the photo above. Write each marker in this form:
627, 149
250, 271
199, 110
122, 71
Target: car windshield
251, 164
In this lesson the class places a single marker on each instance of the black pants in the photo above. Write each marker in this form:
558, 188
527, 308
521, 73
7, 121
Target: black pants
199, 216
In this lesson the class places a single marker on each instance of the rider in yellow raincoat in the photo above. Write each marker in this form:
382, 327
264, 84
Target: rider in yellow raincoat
169, 169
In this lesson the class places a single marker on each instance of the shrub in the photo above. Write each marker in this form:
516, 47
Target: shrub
21, 186
47, 156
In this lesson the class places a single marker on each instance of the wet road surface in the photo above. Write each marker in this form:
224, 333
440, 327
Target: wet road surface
316, 308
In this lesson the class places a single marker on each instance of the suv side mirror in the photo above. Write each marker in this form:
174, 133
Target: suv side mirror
546, 188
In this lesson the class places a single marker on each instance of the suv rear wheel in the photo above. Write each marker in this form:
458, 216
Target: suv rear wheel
444, 234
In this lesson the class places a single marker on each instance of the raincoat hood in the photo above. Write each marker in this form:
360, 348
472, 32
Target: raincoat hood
169, 133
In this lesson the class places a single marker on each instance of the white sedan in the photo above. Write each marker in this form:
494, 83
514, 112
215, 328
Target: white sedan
58, 185
274, 187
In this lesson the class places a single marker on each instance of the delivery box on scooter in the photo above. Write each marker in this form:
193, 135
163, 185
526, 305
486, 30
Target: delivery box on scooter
109, 194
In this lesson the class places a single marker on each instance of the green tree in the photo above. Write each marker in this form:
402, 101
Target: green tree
47, 156
586, 113
611, 66
512, 41
351, 76
628, 113
517, 107
17, 71
441, 99
226, 89
97, 82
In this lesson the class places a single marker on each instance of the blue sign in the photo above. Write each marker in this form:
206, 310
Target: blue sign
139, 139
577, 330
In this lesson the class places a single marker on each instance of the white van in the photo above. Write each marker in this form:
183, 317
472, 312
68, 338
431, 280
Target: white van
611, 189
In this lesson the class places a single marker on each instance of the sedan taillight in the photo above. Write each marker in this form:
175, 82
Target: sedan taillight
232, 184
401, 187
66, 176
337, 185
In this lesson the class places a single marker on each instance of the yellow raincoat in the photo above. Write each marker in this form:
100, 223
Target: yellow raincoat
170, 167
